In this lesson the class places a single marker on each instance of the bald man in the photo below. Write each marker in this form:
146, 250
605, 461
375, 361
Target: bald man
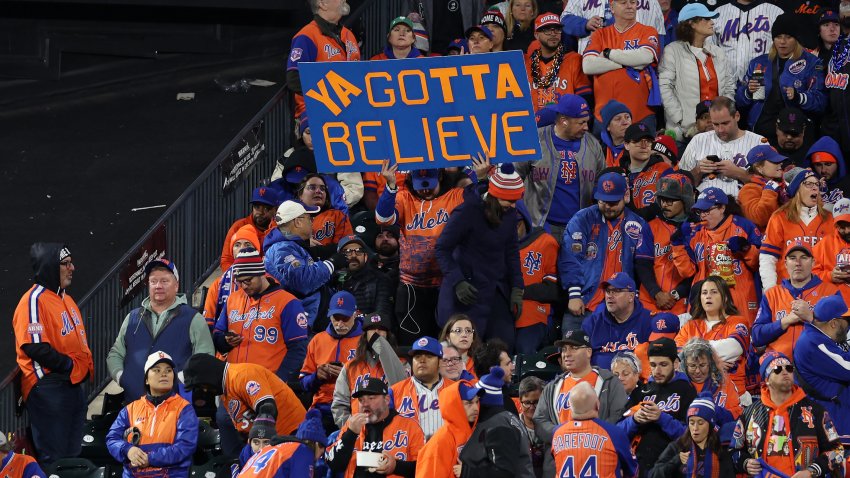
585, 441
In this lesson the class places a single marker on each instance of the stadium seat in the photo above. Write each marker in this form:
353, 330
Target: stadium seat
75, 468
215, 467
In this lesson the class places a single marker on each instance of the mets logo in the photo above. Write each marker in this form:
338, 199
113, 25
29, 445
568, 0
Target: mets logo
331, 51
532, 262
422, 342
661, 325
607, 186
233, 407
630, 44
633, 230
340, 302
569, 171
806, 416
252, 388
351, 354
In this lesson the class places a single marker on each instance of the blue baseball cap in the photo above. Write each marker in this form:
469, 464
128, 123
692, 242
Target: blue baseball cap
828, 16
457, 44
710, 197
620, 280
265, 195
611, 187
696, 10
764, 152
342, 303
572, 106
348, 240
479, 28
428, 345
829, 308
468, 392
165, 263
425, 179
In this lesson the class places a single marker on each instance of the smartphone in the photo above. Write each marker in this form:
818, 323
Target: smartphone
338, 364
713, 158
758, 76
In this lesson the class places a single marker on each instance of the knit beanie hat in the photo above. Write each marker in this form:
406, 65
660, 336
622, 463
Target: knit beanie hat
676, 186
423, 42
505, 183
303, 124
703, 407
264, 427
771, 360
492, 386
248, 263
311, 428
785, 24
612, 109
794, 178
666, 145
246, 233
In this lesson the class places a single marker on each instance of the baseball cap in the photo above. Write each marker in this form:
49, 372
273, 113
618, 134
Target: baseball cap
264, 195
620, 280
798, 246
468, 392
158, 357
571, 106
710, 197
696, 10
666, 145
638, 131
348, 240
791, 120
494, 17
342, 303
375, 320
829, 308
401, 20
425, 179
703, 107
764, 152
663, 347
828, 16
370, 386
428, 345
479, 28
300, 163
611, 187
547, 20
574, 337
841, 210
162, 263
457, 44
289, 210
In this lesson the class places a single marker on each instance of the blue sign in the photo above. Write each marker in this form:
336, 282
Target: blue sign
420, 113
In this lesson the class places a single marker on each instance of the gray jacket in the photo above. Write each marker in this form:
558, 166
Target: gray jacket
612, 405
541, 176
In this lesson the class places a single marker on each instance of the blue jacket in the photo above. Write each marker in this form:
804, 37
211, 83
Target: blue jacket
291, 265
176, 456
837, 187
336, 192
765, 330
584, 246
805, 74
823, 370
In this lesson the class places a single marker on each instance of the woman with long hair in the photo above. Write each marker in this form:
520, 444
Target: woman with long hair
698, 452
460, 332
715, 318
802, 219
705, 372
692, 69
330, 225
519, 20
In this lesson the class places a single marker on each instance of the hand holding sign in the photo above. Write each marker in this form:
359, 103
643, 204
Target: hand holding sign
389, 172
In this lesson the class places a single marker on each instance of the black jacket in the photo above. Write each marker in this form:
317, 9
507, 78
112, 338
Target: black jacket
498, 447
371, 289
338, 455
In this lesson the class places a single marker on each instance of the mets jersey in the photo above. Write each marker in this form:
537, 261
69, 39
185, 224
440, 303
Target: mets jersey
592, 448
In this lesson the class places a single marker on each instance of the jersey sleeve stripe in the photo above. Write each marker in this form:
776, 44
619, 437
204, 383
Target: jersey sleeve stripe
838, 359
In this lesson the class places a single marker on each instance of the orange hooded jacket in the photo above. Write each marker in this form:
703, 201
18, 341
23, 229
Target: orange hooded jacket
439, 456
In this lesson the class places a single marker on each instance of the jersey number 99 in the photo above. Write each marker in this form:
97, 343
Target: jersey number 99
262, 333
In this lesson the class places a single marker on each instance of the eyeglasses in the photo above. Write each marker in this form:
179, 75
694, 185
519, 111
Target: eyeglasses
529, 403
464, 331
697, 366
573, 348
246, 281
316, 187
612, 290
451, 360
550, 31
353, 252
67, 263
788, 368
643, 142
706, 211
340, 318
811, 184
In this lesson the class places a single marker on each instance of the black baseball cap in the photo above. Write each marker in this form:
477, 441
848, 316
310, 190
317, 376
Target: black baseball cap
574, 337
375, 320
639, 131
703, 107
791, 120
663, 347
370, 386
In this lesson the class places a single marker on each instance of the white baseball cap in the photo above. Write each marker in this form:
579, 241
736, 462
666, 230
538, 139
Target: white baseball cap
289, 210
158, 357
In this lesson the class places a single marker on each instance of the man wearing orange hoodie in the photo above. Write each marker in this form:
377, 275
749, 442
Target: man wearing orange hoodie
224, 285
459, 408
786, 430
832, 253
264, 203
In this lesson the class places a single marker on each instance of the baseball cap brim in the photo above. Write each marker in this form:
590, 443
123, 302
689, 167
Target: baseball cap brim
703, 204
478, 28
562, 342
799, 247
607, 197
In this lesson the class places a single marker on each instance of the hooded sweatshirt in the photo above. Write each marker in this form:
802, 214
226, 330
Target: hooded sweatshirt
440, 454
50, 337
838, 186
327, 347
538, 261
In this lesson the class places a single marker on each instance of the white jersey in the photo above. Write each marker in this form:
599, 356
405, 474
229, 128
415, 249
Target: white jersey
430, 419
648, 13
743, 32
706, 144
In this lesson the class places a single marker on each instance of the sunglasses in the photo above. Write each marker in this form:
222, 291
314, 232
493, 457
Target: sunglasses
788, 368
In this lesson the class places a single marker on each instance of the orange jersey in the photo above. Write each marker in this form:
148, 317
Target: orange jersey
727, 398
376, 182
592, 448
706, 246
619, 84
266, 324
358, 373
645, 182
781, 232
322, 349
562, 405
828, 252
666, 273
758, 203
330, 226
403, 438
569, 79
538, 262
227, 252
424, 408
613, 160
735, 327
246, 385
158, 424
15, 465
421, 223
441, 453
42, 316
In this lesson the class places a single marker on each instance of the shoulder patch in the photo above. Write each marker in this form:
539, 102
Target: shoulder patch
252, 388
295, 55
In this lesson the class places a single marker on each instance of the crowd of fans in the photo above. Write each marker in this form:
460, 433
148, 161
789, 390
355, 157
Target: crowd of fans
680, 252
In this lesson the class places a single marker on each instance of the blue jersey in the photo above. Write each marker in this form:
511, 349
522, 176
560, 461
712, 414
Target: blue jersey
566, 201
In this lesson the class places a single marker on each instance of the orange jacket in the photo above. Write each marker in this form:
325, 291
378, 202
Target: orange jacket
330, 226
440, 454
758, 203
781, 232
727, 398
734, 327
227, 251
43, 316
246, 385
666, 273
538, 262
322, 349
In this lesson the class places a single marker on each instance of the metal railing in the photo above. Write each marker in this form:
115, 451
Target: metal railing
194, 225
376, 16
